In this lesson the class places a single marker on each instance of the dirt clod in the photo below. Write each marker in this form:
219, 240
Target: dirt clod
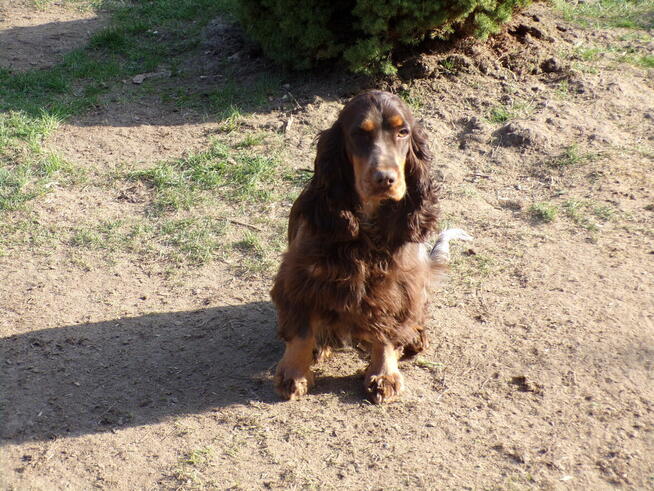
416, 68
551, 65
521, 134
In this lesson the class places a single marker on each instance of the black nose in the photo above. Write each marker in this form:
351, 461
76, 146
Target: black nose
384, 177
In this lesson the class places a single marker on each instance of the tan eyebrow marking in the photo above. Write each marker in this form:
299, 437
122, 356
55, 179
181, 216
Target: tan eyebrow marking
368, 125
396, 121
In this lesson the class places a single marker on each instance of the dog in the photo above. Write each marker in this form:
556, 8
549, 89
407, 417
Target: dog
357, 268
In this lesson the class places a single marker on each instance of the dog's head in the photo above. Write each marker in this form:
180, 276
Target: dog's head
375, 156
376, 129
377, 137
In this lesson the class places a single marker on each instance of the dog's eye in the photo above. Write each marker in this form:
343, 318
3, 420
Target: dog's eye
403, 133
360, 134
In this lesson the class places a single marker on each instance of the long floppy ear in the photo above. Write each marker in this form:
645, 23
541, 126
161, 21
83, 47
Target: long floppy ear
330, 198
418, 164
414, 218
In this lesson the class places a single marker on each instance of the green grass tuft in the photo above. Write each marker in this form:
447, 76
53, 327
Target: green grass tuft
412, 100
499, 114
572, 156
113, 39
543, 212
502, 114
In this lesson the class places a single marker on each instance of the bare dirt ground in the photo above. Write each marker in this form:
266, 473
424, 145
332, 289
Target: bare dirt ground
118, 375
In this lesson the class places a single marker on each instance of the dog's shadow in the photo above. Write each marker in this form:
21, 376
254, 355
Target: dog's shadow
95, 377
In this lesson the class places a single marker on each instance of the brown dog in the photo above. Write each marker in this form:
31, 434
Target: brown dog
356, 266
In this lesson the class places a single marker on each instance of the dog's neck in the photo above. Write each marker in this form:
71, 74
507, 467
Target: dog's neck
369, 210
373, 227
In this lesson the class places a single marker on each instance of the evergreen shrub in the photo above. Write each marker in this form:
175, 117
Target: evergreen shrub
364, 33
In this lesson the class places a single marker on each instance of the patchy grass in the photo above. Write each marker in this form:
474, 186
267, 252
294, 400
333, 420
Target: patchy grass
27, 233
543, 212
631, 54
562, 91
191, 469
260, 251
27, 169
472, 269
647, 61
230, 99
192, 241
177, 230
251, 140
633, 57
33, 103
233, 96
572, 156
589, 53
504, 113
587, 214
632, 14
430, 365
236, 174
81, 5
414, 101
198, 456
500, 114
104, 236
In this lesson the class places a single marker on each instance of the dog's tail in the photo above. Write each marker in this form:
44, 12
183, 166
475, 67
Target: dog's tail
440, 253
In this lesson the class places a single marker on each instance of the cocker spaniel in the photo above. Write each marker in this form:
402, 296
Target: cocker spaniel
357, 266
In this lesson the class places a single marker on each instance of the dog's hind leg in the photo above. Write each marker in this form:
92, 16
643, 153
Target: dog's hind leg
418, 344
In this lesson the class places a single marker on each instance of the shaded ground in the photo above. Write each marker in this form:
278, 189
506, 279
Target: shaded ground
38, 39
139, 341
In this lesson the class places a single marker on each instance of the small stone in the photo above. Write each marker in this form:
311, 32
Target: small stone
484, 66
141, 77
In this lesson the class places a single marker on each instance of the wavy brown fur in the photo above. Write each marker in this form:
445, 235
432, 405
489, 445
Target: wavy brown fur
352, 275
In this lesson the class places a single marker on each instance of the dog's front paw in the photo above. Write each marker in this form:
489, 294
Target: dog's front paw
292, 388
383, 388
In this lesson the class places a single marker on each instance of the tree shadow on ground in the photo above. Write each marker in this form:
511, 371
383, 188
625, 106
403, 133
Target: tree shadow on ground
96, 377
43, 45
224, 77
